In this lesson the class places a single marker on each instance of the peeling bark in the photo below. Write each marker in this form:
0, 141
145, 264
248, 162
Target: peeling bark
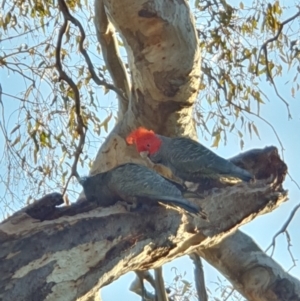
65, 253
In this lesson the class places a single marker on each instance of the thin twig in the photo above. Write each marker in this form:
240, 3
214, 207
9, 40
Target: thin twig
21, 73
294, 181
283, 229
81, 127
18, 98
265, 51
267, 122
230, 294
27, 32
68, 17
243, 110
289, 250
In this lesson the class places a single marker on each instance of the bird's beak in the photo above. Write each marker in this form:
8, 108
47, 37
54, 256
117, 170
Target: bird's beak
144, 154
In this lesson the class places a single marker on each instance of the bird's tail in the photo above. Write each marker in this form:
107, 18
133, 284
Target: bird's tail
242, 174
183, 204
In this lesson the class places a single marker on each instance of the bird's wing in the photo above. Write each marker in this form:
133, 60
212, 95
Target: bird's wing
135, 181
190, 156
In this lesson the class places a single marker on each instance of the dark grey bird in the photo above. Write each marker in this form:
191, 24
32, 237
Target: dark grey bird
132, 182
187, 159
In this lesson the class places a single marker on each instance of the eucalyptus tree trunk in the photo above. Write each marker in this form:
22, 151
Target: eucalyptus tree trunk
68, 253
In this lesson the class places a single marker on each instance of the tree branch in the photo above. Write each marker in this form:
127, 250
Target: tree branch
109, 46
159, 89
137, 286
68, 17
81, 126
199, 277
164, 59
259, 276
265, 51
160, 290
282, 230
70, 252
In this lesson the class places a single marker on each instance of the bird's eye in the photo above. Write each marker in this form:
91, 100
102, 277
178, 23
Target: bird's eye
148, 145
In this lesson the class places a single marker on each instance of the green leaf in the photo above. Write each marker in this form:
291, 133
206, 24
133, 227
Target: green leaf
105, 122
249, 129
255, 130
7, 18
187, 285
216, 140
242, 143
15, 128
44, 139
16, 141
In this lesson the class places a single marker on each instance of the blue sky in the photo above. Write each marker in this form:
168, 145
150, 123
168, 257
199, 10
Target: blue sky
262, 228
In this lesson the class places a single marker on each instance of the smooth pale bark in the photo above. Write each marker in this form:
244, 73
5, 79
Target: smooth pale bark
164, 60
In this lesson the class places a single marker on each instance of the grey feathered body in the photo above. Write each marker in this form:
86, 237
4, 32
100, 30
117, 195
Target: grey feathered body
131, 182
191, 161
